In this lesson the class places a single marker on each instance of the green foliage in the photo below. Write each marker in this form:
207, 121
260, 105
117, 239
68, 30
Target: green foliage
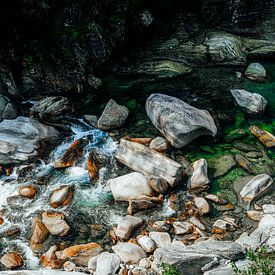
262, 263
168, 269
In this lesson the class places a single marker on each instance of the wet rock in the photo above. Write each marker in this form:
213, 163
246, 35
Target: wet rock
197, 223
245, 147
256, 72
80, 254
21, 139
162, 239
91, 120
28, 191
40, 233
223, 226
71, 156
225, 48
182, 227
254, 215
1, 220
10, 231
143, 202
130, 185
199, 178
264, 136
55, 223
140, 140
223, 165
147, 244
7, 109
113, 116
50, 107
47, 258
159, 144
235, 135
92, 167
215, 199
191, 258
179, 122
256, 187
12, 260
126, 227
129, 252
61, 196
161, 226
202, 205
246, 164
148, 162
107, 263
249, 102
159, 185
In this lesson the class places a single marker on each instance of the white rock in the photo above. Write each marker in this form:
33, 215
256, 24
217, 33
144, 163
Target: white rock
92, 263
182, 227
146, 263
127, 226
128, 252
256, 187
269, 208
69, 266
107, 264
199, 178
130, 185
202, 205
55, 223
256, 72
159, 144
223, 225
162, 239
146, 243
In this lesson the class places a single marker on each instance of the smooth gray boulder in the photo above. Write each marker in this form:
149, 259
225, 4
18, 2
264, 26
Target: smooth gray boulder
250, 102
127, 226
256, 72
107, 264
178, 121
21, 138
113, 116
50, 107
7, 109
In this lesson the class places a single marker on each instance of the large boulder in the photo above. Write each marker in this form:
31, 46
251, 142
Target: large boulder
7, 109
178, 121
113, 116
20, 139
249, 102
50, 107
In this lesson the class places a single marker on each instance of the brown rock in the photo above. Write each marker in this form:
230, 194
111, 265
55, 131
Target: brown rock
81, 253
12, 260
61, 196
1, 220
202, 205
27, 191
40, 233
255, 215
159, 144
264, 136
48, 256
144, 141
158, 184
92, 168
71, 156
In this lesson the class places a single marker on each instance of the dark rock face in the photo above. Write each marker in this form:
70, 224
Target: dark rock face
7, 109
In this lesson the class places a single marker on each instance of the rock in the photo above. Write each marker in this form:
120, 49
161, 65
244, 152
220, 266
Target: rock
7, 109
256, 187
269, 208
129, 252
264, 136
113, 116
215, 199
11, 260
143, 202
92, 166
254, 215
191, 258
235, 134
50, 107
49, 256
223, 165
107, 263
159, 185
130, 185
182, 227
71, 156
245, 147
92, 263
91, 120
245, 164
21, 139
62, 196
252, 103
80, 254
159, 144
27, 191
139, 271
127, 226
256, 72
179, 122
225, 48
69, 266
199, 178
40, 233
223, 226
147, 244
202, 205
146, 263
148, 162
143, 141
197, 223
161, 226
55, 223
162, 239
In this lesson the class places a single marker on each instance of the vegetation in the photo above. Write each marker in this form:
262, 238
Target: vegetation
168, 269
261, 262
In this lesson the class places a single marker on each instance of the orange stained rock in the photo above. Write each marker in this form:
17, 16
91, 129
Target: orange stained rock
143, 141
92, 168
264, 136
